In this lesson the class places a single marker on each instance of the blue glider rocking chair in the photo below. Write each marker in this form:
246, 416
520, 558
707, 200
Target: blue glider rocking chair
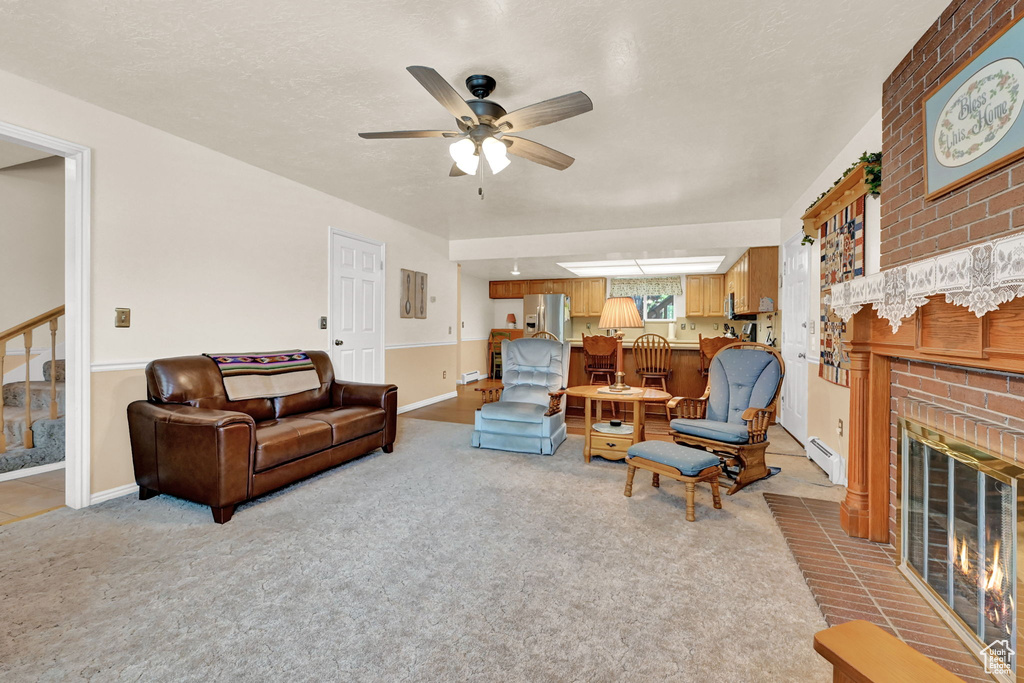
525, 415
731, 419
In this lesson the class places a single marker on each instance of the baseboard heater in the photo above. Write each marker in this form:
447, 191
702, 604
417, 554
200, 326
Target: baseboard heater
828, 460
468, 377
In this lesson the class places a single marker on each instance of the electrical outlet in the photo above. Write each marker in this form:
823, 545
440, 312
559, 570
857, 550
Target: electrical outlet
463, 324
716, 326
323, 322
839, 428
444, 374
693, 326
449, 329
122, 317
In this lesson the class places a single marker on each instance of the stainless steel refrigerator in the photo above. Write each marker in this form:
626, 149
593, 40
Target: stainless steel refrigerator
546, 313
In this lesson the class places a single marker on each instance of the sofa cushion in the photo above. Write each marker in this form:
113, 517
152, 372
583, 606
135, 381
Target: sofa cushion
284, 440
350, 422
513, 411
314, 399
712, 429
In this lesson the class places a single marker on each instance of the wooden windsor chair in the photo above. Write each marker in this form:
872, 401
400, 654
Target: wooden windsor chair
494, 350
652, 356
544, 335
599, 363
708, 347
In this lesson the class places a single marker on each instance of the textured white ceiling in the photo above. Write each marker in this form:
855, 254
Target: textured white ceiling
703, 111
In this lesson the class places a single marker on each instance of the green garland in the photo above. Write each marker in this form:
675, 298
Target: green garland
872, 176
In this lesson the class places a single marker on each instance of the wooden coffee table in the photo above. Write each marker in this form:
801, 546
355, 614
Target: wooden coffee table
614, 446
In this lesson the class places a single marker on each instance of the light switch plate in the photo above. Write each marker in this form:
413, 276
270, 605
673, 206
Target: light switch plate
122, 317
323, 322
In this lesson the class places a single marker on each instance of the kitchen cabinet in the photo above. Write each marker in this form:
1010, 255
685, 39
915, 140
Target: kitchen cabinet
754, 276
586, 295
705, 296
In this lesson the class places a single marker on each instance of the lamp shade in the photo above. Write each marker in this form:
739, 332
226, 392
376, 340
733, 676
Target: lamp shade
620, 312
510, 318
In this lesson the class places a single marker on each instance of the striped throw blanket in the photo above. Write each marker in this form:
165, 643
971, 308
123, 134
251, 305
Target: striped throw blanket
265, 375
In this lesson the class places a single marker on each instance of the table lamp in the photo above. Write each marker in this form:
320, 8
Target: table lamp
511, 320
619, 312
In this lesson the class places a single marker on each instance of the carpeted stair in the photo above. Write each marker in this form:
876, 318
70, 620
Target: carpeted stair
48, 435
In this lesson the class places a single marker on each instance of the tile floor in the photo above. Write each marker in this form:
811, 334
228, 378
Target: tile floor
852, 578
30, 496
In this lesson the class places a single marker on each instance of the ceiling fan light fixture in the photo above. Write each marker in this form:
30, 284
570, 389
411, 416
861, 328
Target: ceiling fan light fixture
465, 156
495, 151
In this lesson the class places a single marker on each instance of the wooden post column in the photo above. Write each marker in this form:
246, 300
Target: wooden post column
854, 512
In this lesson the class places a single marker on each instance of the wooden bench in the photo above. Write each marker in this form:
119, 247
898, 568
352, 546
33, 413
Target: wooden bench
861, 652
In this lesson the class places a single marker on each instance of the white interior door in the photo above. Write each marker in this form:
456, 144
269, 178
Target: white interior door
357, 308
795, 335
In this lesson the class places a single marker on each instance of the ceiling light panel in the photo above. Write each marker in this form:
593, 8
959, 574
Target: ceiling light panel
606, 271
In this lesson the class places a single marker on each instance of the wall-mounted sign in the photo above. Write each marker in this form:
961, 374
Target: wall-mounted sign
971, 120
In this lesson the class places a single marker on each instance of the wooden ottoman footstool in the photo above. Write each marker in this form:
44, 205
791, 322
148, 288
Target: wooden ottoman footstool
682, 463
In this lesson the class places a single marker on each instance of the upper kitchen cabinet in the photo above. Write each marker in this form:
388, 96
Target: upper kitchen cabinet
705, 296
586, 297
753, 278
508, 289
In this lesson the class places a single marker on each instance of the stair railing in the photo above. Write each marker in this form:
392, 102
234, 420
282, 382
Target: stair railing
25, 330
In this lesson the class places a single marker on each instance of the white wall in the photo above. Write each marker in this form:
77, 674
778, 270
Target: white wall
827, 402
212, 254
502, 307
31, 243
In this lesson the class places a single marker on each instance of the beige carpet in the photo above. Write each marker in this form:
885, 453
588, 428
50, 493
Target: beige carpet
438, 562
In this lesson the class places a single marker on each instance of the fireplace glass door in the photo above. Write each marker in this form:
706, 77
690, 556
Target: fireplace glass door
959, 515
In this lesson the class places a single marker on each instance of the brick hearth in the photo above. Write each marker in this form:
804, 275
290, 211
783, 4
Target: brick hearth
852, 578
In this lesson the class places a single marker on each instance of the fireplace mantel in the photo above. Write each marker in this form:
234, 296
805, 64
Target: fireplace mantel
938, 332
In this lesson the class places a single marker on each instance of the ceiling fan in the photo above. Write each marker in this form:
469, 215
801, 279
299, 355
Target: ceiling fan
484, 126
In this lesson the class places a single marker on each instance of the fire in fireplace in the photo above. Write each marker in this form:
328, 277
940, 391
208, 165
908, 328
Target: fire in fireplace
960, 513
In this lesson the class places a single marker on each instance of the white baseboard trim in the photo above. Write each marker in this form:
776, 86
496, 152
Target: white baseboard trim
110, 494
427, 401
29, 471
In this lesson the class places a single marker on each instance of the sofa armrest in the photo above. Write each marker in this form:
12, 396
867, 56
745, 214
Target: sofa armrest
201, 455
378, 395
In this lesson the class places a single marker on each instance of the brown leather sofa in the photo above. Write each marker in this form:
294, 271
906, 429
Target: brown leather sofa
188, 440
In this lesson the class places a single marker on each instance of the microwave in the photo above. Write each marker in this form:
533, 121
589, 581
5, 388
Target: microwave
730, 309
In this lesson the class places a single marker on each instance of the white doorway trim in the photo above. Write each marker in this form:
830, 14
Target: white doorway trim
77, 279
795, 341
331, 233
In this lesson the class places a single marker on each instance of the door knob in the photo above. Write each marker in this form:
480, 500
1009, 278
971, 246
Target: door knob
799, 355
338, 342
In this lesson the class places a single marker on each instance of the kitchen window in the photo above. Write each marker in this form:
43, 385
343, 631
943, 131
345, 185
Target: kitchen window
656, 306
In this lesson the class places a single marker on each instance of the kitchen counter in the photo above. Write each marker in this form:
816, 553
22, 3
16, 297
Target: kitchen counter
628, 344
685, 379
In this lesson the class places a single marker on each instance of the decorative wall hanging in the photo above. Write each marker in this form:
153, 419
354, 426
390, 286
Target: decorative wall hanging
979, 278
421, 295
408, 297
971, 124
842, 259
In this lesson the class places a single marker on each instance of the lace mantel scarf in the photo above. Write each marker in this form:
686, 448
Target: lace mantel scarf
980, 278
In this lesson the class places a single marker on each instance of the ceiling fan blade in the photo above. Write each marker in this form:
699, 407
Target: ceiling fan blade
537, 153
456, 171
543, 113
443, 92
410, 134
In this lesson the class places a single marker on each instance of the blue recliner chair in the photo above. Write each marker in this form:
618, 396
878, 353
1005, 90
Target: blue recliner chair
732, 417
525, 414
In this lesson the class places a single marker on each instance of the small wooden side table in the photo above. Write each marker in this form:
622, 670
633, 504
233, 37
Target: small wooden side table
614, 446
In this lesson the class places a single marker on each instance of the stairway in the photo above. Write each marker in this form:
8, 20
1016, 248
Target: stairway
48, 435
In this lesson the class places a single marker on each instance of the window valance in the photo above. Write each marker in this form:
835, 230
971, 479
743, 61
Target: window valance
647, 286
